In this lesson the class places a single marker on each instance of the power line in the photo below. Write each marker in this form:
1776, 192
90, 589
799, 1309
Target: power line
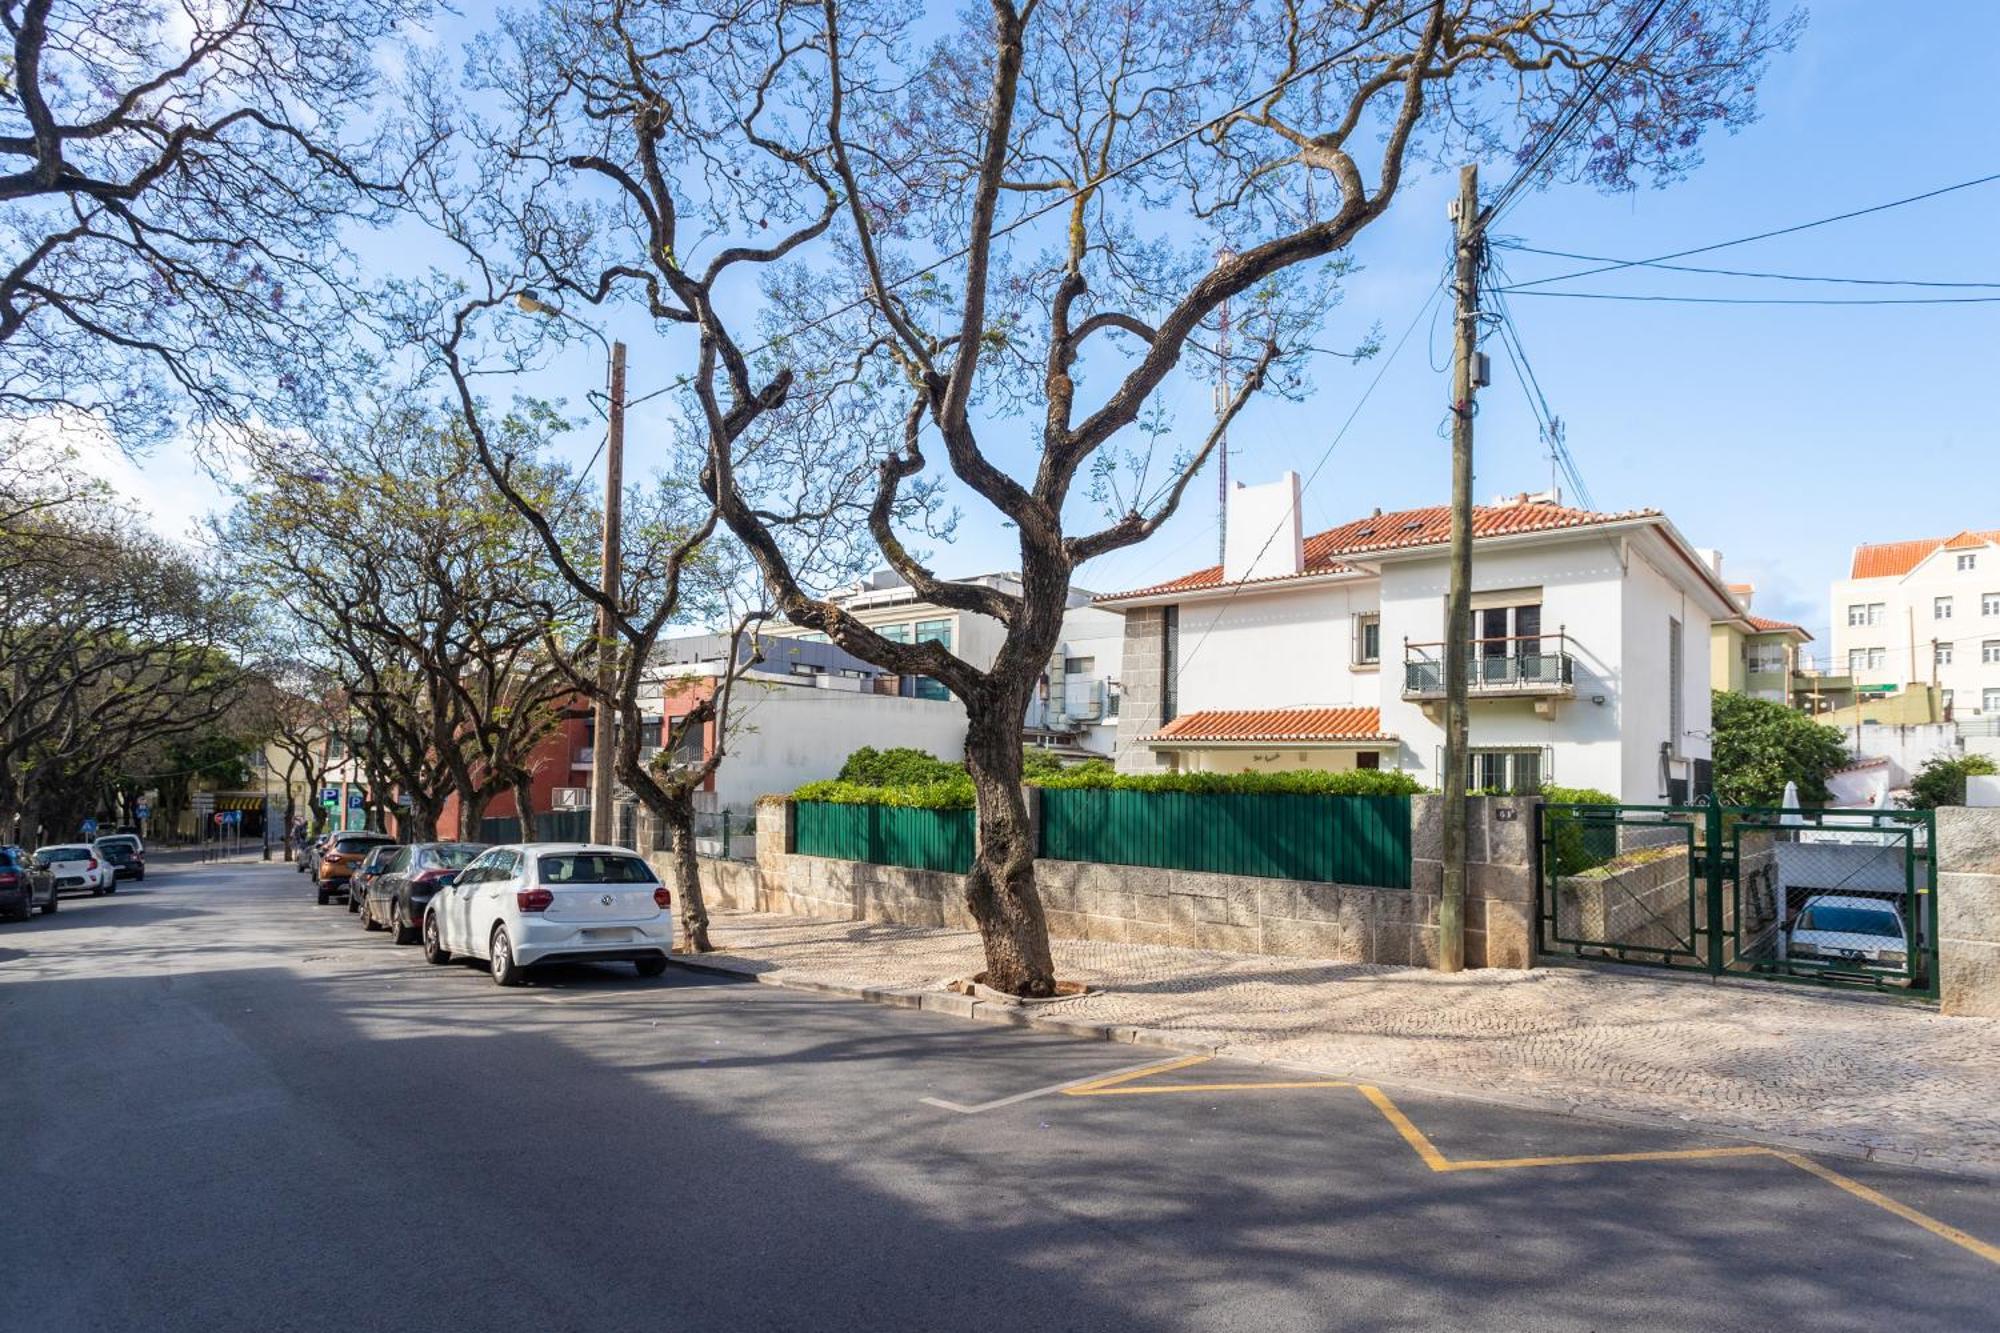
1538, 403
1738, 272
1762, 235
1072, 196
1519, 181
1764, 300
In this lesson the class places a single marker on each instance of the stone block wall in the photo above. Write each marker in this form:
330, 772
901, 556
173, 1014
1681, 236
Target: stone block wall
1968, 860
1142, 683
1184, 908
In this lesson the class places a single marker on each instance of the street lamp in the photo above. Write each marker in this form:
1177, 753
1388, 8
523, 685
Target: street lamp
602, 826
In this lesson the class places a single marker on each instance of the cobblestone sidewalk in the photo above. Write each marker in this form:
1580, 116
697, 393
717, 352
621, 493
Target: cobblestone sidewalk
1810, 1070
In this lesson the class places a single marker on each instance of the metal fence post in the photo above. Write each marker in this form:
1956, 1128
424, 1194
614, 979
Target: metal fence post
1714, 876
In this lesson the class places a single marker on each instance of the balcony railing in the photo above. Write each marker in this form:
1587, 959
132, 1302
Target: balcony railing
1515, 667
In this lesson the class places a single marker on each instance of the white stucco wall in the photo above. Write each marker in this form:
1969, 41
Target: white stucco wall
1278, 649
782, 735
1652, 598
1582, 593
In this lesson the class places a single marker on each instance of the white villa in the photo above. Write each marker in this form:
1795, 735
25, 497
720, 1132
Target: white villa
1590, 659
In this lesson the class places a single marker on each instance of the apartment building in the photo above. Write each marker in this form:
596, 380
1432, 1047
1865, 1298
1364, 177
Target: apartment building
1912, 614
1752, 654
1588, 668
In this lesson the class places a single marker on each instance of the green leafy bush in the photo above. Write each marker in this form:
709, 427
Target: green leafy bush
1941, 781
951, 794
1578, 846
1760, 746
899, 766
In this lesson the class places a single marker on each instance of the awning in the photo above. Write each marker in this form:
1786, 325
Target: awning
1322, 727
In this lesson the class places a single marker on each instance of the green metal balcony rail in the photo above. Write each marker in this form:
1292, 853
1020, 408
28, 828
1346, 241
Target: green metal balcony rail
1517, 665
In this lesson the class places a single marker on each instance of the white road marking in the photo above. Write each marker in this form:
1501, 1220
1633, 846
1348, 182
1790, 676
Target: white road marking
1033, 1093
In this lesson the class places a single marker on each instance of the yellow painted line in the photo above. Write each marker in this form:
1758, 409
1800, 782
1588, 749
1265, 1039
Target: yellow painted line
1150, 1088
1413, 1136
1592, 1159
1115, 1079
1990, 1253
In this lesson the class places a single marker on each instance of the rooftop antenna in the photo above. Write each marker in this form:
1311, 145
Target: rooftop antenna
1222, 349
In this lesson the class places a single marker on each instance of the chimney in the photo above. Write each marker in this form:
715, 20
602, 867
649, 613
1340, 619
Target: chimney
1264, 540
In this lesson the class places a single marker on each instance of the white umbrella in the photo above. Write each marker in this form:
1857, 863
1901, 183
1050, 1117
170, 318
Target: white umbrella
1791, 805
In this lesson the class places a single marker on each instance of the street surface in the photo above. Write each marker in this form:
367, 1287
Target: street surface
226, 1108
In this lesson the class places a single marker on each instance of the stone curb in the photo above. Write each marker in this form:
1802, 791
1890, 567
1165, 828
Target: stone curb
983, 1011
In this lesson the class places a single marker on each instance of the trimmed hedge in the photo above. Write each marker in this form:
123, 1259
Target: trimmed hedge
1577, 846
915, 780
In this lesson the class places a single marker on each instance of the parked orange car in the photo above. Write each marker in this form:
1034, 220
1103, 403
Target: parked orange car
338, 860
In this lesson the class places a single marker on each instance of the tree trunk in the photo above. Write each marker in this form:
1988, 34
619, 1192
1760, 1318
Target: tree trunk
472, 816
524, 804
1000, 891
679, 819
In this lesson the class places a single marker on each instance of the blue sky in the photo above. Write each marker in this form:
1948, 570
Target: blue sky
1782, 435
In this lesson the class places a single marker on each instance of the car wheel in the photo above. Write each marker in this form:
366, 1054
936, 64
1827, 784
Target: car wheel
398, 932
49, 907
321, 891
141, 877
650, 967
112, 887
353, 903
434, 950
25, 910
97, 892
368, 921
506, 972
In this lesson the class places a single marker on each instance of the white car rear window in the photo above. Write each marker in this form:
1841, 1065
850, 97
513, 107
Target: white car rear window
594, 868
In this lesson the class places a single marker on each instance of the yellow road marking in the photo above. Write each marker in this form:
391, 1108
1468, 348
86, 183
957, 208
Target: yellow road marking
1196, 1087
1129, 1084
1990, 1253
1127, 1077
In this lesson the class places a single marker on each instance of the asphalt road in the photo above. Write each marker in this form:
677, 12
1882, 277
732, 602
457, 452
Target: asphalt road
222, 1107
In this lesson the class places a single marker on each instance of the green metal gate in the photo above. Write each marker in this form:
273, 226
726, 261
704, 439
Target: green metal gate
1836, 897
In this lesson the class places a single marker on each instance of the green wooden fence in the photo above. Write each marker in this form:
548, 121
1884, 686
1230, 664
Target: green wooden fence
887, 835
1335, 839
550, 826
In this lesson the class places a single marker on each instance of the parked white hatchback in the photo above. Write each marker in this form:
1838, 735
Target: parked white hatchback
77, 867
552, 902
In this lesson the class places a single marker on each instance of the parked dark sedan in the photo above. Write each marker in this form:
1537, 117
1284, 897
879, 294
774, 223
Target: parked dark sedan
124, 857
21, 889
400, 893
365, 874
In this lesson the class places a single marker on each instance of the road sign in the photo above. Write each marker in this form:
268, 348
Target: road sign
354, 801
329, 796
142, 810
89, 828
571, 798
204, 801
1876, 689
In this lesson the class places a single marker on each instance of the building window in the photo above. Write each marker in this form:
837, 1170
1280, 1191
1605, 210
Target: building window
1170, 666
1857, 614
804, 669
1942, 655
1940, 608
1367, 640
1990, 701
1508, 772
1368, 759
1079, 666
1968, 561
1866, 659
1944, 701
925, 687
934, 631
1989, 651
1989, 604
1767, 657
813, 636
894, 633
1676, 718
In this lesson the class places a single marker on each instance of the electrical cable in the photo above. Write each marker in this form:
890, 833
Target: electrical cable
1763, 300
1762, 235
1737, 272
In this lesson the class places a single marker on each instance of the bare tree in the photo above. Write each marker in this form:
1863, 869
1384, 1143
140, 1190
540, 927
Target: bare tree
1012, 252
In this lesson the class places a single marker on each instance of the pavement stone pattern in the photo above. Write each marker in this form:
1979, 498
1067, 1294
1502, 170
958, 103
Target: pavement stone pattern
1849, 1075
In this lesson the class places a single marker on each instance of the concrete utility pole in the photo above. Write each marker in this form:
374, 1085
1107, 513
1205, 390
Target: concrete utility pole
1458, 612
603, 821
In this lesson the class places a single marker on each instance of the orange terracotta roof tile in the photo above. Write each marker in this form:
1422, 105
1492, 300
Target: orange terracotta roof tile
1397, 531
1763, 626
1275, 724
1887, 560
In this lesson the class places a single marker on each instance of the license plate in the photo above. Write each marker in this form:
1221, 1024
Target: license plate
604, 934
69, 882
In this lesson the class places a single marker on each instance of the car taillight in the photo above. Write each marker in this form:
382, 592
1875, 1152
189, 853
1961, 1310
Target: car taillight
8, 879
662, 898
92, 865
434, 877
534, 900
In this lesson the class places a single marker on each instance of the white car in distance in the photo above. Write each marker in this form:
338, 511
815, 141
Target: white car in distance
76, 867
552, 902
1835, 928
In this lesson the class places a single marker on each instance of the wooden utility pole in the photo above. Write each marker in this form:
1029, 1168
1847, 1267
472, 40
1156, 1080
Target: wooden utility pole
603, 816
1458, 598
